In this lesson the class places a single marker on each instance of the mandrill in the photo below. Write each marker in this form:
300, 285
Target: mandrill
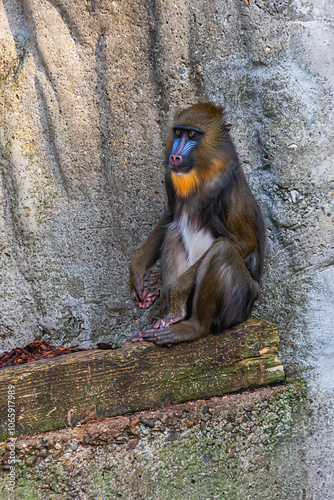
210, 239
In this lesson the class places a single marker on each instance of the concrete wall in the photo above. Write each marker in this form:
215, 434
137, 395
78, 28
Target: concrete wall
86, 92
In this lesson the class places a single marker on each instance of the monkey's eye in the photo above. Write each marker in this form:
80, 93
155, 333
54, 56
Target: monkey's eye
192, 134
178, 132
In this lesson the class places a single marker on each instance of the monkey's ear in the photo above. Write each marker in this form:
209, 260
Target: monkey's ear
177, 113
219, 107
227, 126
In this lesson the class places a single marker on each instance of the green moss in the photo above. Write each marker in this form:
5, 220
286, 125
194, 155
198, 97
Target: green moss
243, 452
5, 150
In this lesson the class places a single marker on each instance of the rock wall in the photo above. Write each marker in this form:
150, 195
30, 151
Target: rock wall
236, 447
86, 92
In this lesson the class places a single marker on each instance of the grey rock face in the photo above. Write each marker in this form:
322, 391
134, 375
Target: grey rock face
86, 91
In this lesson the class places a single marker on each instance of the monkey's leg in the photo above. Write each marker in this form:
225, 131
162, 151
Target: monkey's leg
180, 293
174, 260
173, 334
225, 290
174, 264
224, 296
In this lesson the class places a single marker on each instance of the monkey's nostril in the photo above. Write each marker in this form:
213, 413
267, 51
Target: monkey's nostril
175, 160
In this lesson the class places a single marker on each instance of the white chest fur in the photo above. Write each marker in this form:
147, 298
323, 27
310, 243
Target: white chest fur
196, 241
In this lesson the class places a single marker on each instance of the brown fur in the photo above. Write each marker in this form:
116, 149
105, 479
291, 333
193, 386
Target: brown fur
213, 198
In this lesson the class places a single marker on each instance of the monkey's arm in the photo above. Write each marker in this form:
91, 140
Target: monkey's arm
246, 227
144, 259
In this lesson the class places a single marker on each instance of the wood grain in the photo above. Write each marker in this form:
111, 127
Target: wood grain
56, 393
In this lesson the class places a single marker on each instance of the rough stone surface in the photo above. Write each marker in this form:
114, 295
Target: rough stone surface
86, 91
246, 446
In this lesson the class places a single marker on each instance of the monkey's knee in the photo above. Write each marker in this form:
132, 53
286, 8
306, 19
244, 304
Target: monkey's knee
218, 264
225, 291
237, 300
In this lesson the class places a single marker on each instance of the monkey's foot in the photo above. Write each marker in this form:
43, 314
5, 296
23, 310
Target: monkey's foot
146, 299
173, 334
161, 337
168, 320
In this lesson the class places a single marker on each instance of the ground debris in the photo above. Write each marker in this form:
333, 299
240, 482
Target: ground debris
40, 349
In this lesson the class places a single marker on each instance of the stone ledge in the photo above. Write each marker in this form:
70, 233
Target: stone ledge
55, 393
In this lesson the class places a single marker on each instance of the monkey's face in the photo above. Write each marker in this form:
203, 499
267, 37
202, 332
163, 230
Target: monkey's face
195, 147
185, 141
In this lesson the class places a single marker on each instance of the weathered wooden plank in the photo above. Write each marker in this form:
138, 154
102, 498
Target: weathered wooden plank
55, 393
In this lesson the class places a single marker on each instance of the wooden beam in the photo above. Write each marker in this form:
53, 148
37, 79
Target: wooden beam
56, 393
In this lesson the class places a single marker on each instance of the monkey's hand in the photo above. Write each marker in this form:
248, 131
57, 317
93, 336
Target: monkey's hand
170, 319
141, 297
145, 299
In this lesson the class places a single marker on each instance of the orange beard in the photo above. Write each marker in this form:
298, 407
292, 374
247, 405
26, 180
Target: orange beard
188, 183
